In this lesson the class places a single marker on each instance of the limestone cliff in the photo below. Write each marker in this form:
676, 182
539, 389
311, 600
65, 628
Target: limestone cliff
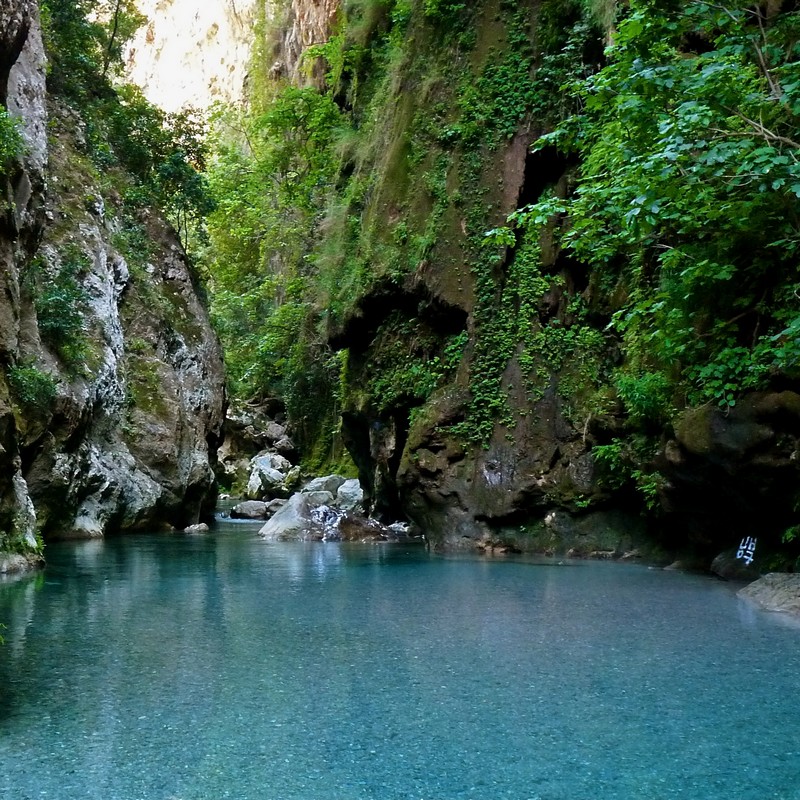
306, 23
196, 55
111, 387
191, 54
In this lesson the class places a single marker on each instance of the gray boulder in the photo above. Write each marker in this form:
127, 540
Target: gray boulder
319, 498
776, 591
350, 495
731, 568
285, 445
268, 474
274, 506
328, 483
291, 523
250, 509
200, 527
274, 432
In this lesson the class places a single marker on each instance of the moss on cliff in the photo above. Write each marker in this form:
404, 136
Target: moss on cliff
582, 321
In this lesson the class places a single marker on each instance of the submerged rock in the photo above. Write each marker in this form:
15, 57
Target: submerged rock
776, 591
200, 527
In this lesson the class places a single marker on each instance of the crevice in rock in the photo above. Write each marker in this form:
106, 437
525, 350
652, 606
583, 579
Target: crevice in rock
386, 297
544, 168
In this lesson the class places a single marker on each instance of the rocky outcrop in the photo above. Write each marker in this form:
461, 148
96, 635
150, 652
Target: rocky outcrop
307, 22
22, 75
734, 473
111, 387
251, 431
132, 436
777, 591
488, 447
190, 54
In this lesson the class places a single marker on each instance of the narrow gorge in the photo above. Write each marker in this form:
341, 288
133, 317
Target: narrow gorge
385, 387
474, 251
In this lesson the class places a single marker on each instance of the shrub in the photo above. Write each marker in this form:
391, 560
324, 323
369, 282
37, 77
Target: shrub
32, 389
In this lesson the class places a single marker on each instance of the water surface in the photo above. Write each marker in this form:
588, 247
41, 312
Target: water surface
196, 668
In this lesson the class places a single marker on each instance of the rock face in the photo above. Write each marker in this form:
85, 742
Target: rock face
22, 75
507, 433
198, 54
251, 431
110, 422
193, 53
736, 473
775, 592
307, 22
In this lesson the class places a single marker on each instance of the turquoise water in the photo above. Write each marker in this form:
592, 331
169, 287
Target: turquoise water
221, 666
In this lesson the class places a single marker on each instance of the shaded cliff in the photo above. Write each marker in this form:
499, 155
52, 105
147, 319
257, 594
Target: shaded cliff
111, 388
511, 278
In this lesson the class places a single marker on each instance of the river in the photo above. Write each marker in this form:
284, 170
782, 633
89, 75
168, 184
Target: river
171, 667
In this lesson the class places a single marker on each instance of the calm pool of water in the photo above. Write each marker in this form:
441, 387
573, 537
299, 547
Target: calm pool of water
197, 668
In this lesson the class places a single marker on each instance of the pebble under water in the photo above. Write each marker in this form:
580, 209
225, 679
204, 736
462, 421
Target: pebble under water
221, 666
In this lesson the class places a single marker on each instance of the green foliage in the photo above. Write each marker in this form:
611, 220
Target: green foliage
84, 41
687, 198
407, 362
269, 178
449, 11
60, 302
628, 464
791, 534
11, 143
32, 389
646, 397
163, 153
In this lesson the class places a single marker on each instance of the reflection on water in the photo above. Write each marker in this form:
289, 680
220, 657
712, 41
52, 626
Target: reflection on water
223, 666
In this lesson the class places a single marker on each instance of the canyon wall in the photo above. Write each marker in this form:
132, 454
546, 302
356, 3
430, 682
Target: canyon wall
190, 54
197, 55
484, 374
111, 387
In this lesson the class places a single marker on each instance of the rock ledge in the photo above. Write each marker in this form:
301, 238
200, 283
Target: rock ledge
777, 591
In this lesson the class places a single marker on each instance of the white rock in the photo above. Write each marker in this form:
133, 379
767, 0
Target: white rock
350, 495
292, 522
328, 483
200, 527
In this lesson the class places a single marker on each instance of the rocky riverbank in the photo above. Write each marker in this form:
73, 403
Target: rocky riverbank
776, 591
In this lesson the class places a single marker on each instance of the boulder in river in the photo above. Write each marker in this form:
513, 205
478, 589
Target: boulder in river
200, 527
292, 522
726, 565
350, 495
250, 509
327, 483
271, 475
314, 514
